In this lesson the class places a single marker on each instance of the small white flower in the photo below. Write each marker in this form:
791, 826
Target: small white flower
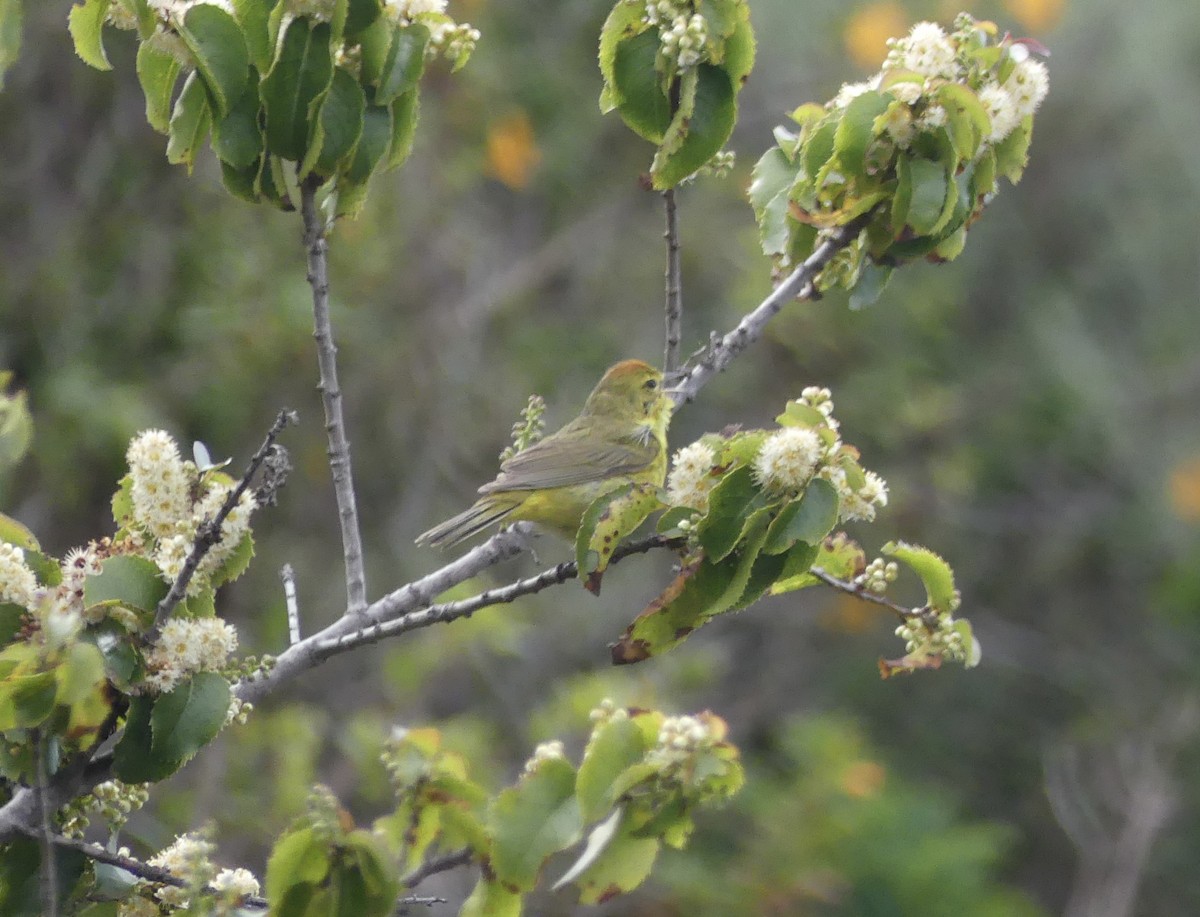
18, 585
787, 459
237, 882
1001, 109
161, 483
929, 52
690, 480
849, 92
1027, 85
547, 751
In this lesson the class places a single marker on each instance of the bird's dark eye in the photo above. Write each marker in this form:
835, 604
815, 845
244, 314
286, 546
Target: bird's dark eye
651, 384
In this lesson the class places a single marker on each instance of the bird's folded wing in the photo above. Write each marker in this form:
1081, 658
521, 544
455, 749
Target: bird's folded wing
555, 463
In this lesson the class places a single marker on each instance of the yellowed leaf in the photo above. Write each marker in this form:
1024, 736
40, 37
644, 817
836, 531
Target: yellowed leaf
1183, 490
1037, 15
863, 779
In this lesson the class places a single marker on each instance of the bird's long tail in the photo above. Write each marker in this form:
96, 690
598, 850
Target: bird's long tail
470, 521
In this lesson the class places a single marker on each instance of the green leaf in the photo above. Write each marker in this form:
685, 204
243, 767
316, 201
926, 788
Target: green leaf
190, 122
614, 747
533, 820
120, 658
299, 77
376, 136
703, 590
974, 651
370, 877
254, 18
157, 72
772, 179
238, 139
219, 51
404, 64
79, 674
610, 518
86, 23
10, 621
818, 145
808, 518
623, 23
636, 88
26, 700
13, 532
404, 127
1012, 153
341, 120
738, 56
967, 121
299, 862
730, 503
705, 131
361, 14
128, 580
11, 28
622, 866
241, 182
491, 899
189, 716
236, 563
872, 281
855, 131
933, 570
928, 183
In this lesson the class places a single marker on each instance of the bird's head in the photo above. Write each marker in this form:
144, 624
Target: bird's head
631, 390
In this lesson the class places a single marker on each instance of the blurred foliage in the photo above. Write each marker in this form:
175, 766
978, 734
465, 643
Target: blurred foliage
1032, 407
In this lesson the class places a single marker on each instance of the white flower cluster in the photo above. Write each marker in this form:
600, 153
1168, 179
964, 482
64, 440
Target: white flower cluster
1008, 104
787, 459
679, 738
18, 585
186, 859
877, 576
858, 503
691, 479
928, 57
454, 41
186, 646
927, 51
235, 883
941, 640
161, 482
163, 491
683, 33
546, 751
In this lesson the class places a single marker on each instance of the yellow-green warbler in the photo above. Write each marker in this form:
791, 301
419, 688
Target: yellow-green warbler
619, 437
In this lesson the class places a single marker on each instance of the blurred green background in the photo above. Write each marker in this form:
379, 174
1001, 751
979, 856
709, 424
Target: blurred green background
1033, 407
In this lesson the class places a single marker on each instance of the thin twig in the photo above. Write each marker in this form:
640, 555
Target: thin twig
464, 608
444, 863
208, 534
140, 869
288, 575
417, 594
404, 904
49, 871
674, 279
902, 612
331, 397
800, 284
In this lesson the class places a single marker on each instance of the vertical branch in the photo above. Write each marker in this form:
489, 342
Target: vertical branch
674, 275
45, 835
331, 397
